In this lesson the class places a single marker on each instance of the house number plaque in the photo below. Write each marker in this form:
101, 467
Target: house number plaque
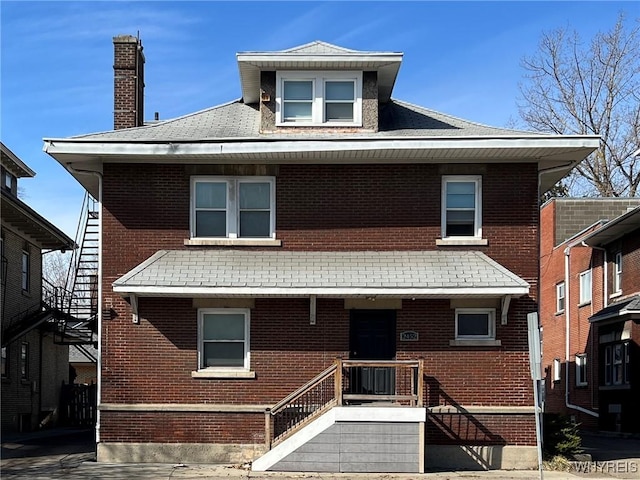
409, 336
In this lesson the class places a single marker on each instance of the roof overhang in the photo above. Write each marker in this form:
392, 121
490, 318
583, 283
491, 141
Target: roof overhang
615, 229
251, 64
12, 163
555, 155
28, 222
628, 309
223, 274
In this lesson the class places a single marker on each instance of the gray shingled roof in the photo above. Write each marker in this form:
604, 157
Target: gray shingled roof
431, 273
237, 120
620, 308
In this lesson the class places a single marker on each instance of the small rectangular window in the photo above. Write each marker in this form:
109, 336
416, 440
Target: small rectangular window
461, 206
339, 101
223, 338
557, 370
297, 100
617, 278
24, 361
581, 370
585, 287
477, 324
560, 297
5, 362
26, 280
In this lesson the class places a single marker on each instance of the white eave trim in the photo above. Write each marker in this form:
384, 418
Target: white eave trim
151, 291
106, 148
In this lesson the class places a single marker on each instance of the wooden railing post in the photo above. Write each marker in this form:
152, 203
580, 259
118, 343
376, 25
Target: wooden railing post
338, 382
267, 429
420, 385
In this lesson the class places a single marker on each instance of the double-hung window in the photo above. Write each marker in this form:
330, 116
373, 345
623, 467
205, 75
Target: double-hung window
233, 207
560, 295
616, 364
319, 98
585, 287
223, 338
475, 323
581, 370
617, 278
461, 206
25, 267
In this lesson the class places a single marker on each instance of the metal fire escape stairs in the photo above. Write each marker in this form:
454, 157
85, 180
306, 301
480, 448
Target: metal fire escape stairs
69, 310
80, 326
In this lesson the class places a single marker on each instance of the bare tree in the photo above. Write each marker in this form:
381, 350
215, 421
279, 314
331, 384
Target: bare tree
55, 267
572, 88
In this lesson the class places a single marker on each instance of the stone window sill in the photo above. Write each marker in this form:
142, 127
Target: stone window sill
224, 374
233, 242
475, 343
455, 242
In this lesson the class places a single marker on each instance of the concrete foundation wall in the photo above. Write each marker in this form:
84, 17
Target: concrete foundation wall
212, 453
479, 457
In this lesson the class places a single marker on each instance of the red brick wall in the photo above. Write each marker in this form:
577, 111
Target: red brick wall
333, 207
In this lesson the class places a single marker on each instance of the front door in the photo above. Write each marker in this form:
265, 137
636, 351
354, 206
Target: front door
372, 336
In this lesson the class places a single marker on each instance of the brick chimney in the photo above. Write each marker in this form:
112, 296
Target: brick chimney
128, 82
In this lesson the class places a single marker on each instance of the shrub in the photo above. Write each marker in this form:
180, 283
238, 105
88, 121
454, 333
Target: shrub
561, 435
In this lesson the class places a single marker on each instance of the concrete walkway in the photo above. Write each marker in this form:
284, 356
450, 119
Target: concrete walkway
69, 454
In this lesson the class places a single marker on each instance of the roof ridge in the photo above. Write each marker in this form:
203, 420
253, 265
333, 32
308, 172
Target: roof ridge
317, 42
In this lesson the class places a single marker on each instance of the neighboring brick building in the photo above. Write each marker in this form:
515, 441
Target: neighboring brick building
572, 291
33, 364
248, 246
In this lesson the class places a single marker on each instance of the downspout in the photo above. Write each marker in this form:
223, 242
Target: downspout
99, 359
567, 315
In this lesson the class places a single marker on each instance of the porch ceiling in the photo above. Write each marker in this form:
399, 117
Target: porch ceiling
395, 274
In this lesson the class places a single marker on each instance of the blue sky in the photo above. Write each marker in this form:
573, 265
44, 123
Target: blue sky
461, 58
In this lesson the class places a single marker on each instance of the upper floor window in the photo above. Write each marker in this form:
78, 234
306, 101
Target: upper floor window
24, 361
26, 280
475, 324
617, 273
223, 338
319, 98
233, 207
560, 297
461, 206
585, 287
9, 181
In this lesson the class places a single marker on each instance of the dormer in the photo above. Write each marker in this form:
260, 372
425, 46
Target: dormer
12, 169
318, 86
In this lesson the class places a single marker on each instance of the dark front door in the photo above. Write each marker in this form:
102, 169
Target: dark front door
372, 337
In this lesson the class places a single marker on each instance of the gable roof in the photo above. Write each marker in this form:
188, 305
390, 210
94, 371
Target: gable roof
392, 274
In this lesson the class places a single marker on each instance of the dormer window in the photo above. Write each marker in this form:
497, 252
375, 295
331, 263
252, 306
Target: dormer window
319, 98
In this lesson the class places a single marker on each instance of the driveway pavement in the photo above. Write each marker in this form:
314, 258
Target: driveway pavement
70, 455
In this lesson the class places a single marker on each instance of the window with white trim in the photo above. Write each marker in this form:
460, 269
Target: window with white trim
617, 273
25, 267
560, 296
557, 370
585, 287
581, 370
319, 98
223, 338
475, 323
232, 207
462, 206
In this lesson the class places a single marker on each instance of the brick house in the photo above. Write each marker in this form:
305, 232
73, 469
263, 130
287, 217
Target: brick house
316, 272
579, 287
34, 363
